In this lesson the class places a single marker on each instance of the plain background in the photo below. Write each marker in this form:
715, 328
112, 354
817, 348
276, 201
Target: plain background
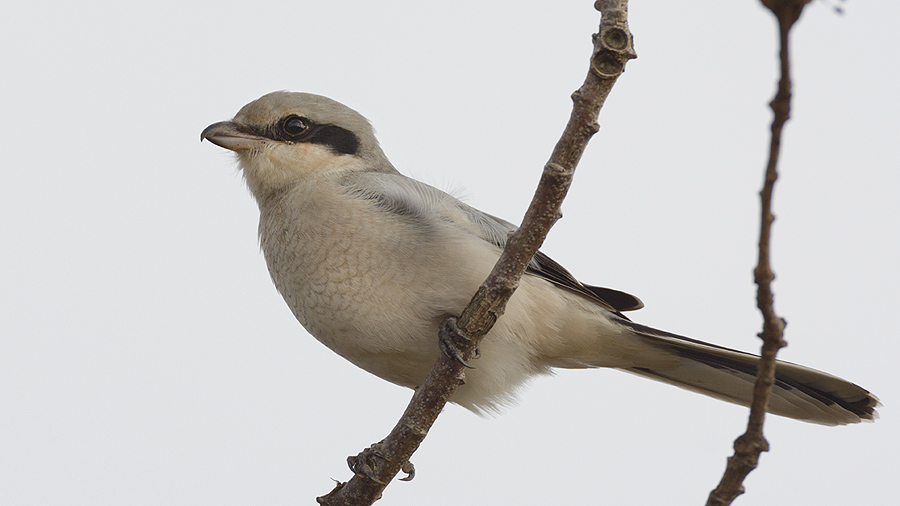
146, 359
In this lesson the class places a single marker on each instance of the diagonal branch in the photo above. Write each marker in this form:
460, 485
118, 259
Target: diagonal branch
752, 443
612, 49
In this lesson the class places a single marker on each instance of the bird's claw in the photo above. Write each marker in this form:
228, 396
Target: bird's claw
448, 339
409, 469
368, 460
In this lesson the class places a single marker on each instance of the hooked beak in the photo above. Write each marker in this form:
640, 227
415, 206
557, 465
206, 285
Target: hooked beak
230, 135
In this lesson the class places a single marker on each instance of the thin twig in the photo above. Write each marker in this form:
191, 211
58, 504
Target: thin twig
752, 443
612, 49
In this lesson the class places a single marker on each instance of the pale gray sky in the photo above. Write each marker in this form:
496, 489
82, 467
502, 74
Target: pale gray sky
146, 359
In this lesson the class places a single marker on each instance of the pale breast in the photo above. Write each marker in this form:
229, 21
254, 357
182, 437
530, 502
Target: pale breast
360, 280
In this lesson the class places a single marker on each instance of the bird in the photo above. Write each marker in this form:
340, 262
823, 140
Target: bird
370, 262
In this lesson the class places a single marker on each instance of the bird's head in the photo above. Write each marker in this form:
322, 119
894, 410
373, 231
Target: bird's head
285, 138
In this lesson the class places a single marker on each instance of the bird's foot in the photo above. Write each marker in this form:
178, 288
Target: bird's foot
369, 460
449, 340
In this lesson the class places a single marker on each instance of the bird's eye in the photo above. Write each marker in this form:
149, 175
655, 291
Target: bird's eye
293, 125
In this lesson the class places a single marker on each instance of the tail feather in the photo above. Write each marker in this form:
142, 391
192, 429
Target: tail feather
799, 392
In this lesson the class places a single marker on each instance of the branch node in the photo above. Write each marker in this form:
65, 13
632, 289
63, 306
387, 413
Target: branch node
606, 65
554, 169
615, 38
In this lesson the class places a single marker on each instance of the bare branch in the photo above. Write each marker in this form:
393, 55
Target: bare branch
612, 49
752, 443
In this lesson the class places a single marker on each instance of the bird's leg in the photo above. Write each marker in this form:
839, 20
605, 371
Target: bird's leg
369, 459
450, 338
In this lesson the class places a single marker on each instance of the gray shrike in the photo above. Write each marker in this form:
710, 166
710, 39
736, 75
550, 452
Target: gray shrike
371, 261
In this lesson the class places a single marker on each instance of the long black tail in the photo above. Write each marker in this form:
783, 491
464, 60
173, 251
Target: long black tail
799, 392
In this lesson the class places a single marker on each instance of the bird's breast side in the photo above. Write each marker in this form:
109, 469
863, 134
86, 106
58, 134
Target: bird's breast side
354, 280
